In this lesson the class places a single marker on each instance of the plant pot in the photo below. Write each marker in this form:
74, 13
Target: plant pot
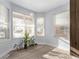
25, 46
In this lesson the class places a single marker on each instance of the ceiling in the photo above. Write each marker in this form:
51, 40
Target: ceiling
40, 5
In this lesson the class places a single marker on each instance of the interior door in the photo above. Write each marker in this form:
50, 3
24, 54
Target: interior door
74, 26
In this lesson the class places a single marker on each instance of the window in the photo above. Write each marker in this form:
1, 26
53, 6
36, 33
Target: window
40, 26
62, 25
21, 24
4, 34
30, 25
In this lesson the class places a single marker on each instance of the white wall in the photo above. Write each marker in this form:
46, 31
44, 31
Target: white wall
20, 9
50, 30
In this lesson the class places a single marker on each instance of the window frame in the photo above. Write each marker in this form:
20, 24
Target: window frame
37, 24
26, 15
6, 32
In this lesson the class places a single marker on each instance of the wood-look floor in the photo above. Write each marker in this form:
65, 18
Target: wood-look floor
40, 52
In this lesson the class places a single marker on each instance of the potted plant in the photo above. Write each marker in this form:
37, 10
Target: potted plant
26, 37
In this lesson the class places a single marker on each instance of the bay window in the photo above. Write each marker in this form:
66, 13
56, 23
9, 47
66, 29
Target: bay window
62, 25
22, 23
4, 29
40, 26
